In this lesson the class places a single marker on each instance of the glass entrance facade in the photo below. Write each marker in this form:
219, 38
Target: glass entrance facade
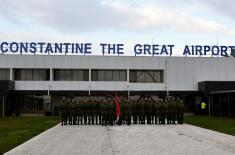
40, 104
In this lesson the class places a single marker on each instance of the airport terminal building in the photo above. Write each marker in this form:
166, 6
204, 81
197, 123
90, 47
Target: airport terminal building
35, 84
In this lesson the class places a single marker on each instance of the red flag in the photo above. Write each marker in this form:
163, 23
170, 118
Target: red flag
118, 112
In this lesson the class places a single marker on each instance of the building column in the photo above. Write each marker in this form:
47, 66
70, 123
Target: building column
166, 78
51, 75
89, 89
128, 82
11, 74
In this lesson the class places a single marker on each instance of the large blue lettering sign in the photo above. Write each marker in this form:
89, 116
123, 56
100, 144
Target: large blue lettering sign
112, 49
198, 50
147, 49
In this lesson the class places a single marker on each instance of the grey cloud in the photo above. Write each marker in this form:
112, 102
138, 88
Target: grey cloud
226, 7
216, 7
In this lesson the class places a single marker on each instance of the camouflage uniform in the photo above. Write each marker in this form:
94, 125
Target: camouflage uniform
128, 114
78, 111
64, 112
157, 112
173, 112
180, 112
73, 111
104, 113
168, 112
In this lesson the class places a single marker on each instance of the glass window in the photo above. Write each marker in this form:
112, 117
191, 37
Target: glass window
86, 75
132, 76
94, 75
141, 76
33, 103
23, 74
32, 74
71, 75
158, 76
101, 75
75, 75
66, 75
56, 75
29, 74
37, 75
116, 76
146, 76
149, 77
81, 75
17, 74
44, 75
4, 74
108, 75
122, 75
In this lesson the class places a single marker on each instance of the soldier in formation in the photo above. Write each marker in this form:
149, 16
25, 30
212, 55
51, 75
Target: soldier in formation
93, 111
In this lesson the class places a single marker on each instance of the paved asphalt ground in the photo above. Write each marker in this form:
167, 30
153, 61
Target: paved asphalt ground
128, 140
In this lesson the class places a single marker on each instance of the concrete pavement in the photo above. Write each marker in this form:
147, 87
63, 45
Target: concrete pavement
128, 140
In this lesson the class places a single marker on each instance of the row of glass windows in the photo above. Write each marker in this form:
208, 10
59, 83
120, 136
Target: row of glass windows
71, 75
108, 75
146, 76
137, 76
32, 74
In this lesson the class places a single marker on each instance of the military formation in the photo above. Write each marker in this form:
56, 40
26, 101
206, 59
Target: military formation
102, 111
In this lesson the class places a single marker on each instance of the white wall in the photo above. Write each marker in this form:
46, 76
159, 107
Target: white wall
183, 74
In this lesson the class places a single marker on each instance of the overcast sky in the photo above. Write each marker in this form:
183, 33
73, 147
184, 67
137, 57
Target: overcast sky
176, 22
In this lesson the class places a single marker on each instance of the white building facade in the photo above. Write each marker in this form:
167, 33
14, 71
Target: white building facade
38, 76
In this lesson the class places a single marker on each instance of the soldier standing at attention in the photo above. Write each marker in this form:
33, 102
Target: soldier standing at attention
153, 111
105, 113
134, 112
157, 111
181, 112
78, 111
174, 111
148, 111
99, 103
111, 111
70, 111
93, 112
89, 111
63, 111
128, 114
160, 114
138, 112
73, 110
142, 111
163, 112
168, 111
96, 109
153, 114
82, 111
85, 112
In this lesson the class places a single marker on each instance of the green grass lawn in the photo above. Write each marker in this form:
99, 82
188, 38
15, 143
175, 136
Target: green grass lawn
16, 130
220, 124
